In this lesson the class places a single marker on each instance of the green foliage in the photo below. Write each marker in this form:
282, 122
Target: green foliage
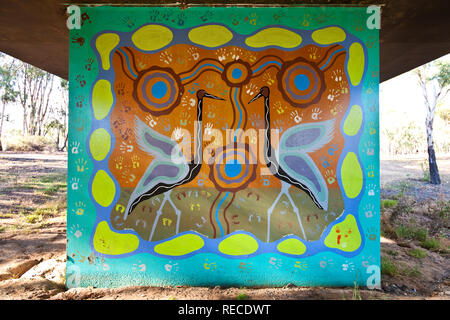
403, 206
443, 112
411, 272
443, 74
356, 294
388, 203
420, 234
444, 209
405, 138
33, 218
243, 296
426, 170
54, 178
431, 244
40, 214
7, 84
392, 253
408, 232
417, 253
388, 267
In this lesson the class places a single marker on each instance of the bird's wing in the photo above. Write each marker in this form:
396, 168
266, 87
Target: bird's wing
159, 177
300, 170
154, 143
166, 169
308, 137
293, 158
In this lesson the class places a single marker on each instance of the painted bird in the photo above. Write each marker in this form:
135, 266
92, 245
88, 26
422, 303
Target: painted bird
291, 163
169, 168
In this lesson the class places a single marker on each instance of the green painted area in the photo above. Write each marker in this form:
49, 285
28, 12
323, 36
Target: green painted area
105, 43
356, 62
109, 242
274, 37
345, 235
100, 144
152, 37
210, 36
351, 175
292, 246
180, 246
103, 188
353, 122
102, 99
328, 35
238, 245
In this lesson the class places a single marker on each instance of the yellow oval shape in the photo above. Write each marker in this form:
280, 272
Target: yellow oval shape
210, 35
152, 37
274, 37
103, 188
291, 246
109, 242
355, 64
102, 99
351, 175
238, 245
100, 144
353, 122
181, 245
105, 43
329, 35
345, 235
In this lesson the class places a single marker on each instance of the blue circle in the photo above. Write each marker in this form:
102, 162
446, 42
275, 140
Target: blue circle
301, 82
233, 168
236, 73
159, 89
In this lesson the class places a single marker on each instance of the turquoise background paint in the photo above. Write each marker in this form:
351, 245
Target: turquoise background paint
87, 268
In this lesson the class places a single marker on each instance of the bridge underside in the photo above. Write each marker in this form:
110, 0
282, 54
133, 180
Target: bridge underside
412, 32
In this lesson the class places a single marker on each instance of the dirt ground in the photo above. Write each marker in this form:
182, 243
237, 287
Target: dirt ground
415, 261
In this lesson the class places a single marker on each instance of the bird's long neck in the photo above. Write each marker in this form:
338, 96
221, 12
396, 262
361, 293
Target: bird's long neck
268, 148
199, 137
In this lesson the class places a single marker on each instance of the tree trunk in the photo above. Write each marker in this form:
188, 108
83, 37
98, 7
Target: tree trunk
1, 124
65, 142
57, 139
434, 171
431, 108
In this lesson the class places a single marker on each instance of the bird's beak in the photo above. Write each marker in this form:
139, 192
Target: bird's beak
207, 95
259, 95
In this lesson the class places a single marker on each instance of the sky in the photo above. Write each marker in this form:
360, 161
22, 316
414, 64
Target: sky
402, 101
401, 98
14, 111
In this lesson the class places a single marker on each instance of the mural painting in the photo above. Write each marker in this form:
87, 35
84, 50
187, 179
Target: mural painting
214, 146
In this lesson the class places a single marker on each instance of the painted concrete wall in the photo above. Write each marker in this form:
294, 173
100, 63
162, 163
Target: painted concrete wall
223, 146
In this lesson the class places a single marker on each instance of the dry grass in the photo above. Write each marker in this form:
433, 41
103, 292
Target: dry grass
28, 143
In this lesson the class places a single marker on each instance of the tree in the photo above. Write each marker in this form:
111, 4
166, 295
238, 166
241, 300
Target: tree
59, 118
7, 92
35, 88
435, 82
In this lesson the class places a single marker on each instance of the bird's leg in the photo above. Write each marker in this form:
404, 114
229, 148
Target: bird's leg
177, 212
269, 213
285, 189
159, 213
